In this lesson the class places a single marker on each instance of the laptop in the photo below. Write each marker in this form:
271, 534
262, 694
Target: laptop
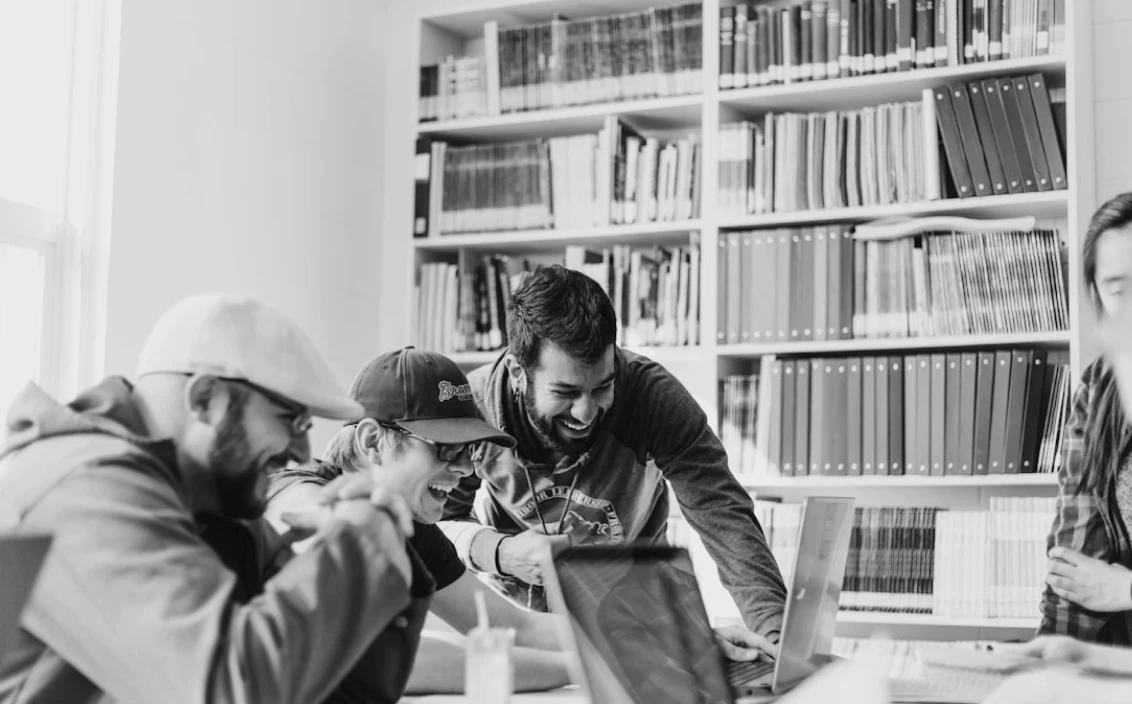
22, 557
637, 620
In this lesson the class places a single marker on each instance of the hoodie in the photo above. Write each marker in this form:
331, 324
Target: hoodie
140, 600
616, 492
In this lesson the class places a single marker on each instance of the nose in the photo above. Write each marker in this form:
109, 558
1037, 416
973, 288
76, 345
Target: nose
299, 449
584, 409
462, 467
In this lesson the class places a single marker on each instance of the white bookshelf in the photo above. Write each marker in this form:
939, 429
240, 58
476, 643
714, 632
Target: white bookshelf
460, 31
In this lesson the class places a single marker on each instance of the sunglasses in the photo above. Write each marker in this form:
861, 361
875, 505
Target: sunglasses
445, 452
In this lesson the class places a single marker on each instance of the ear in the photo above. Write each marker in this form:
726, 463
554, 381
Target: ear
369, 439
206, 398
516, 372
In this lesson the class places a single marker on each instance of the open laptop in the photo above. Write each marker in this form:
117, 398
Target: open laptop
22, 558
638, 624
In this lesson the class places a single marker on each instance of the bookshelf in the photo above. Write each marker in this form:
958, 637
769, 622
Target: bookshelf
456, 30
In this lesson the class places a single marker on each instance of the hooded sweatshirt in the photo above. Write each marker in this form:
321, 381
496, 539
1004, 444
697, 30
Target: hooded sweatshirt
615, 492
140, 600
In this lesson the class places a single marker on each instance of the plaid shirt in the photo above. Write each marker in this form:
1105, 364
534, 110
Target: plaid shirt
1088, 523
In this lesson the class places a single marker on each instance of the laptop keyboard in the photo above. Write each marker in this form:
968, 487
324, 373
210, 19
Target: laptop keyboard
742, 672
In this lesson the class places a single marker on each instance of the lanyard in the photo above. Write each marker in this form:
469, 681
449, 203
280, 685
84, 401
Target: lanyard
566, 510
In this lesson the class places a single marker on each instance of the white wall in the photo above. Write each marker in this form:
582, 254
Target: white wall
249, 159
1112, 90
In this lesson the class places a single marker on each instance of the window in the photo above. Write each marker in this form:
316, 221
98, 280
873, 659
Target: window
58, 70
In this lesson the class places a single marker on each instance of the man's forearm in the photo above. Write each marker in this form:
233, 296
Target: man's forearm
476, 544
540, 631
440, 662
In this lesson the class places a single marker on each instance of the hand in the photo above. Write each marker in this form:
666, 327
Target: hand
360, 485
524, 555
740, 644
1088, 582
365, 516
1061, 649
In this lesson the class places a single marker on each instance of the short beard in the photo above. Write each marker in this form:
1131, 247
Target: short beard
236, 475
546, 432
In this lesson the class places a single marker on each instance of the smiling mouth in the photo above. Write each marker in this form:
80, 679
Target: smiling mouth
440, 492
577, 427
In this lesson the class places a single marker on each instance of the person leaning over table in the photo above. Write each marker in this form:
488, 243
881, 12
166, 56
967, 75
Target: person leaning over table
415, 440
600, 432
1089, 592
163, 582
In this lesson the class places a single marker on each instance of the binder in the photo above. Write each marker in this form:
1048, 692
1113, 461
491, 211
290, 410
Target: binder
985, 128
923, 414
1013, 112
984, 395
968, 379
1000, 402
1048, 130
802, 418
1032, 134
972, 145
838, 443
789, 391
1035, 412
854, 413
952, 371
775, 412
819, 417
896, 410
952, 143
1022, 360
910, 409
938, 412
868, 415
721, 290
882, 417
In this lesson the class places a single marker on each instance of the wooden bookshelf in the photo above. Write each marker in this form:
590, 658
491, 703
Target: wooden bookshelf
451, 28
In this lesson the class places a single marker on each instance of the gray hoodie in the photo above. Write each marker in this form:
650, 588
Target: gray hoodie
140, 600
655, 431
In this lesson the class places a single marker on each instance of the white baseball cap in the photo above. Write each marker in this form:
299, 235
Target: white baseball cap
237, 337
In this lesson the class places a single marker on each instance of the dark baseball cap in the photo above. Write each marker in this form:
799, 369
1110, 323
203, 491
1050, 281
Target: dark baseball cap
426, 394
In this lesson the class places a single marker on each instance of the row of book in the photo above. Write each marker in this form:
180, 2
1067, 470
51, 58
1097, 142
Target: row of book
654, 291
997, 136
794, 161
917, 559
765, 44
452, 89
650, 53
822, 283
613, 177
939, 414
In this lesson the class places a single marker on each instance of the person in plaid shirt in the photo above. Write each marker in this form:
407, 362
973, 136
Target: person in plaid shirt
1089, 583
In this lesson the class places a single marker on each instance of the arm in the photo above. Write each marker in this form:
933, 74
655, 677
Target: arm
476, 544
691, 457
1078, 524
440, 665
132, 598
456, 605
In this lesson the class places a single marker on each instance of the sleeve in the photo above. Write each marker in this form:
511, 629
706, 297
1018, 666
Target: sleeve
690, 456
133, 598
475, 543
438, 554
1078, 523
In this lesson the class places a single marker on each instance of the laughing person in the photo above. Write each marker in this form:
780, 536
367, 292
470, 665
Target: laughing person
600, 432
416, 441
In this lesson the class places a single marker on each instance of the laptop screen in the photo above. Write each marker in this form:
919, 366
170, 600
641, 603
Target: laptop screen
643, 634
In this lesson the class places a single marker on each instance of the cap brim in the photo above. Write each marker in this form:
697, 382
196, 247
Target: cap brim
458, 430
334, 408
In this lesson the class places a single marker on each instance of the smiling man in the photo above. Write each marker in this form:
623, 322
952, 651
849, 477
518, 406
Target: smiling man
600, 430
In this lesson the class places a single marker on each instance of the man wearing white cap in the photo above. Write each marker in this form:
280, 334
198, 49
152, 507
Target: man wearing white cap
164, 583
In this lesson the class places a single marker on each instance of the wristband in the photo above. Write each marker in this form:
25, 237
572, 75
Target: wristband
498, 569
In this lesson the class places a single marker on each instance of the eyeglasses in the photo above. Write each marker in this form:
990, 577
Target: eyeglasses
445, 452
299, 414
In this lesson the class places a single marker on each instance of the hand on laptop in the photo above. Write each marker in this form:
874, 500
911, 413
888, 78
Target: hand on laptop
740, 644
524, 555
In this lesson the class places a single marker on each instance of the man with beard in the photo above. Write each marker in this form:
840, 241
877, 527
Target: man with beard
600, 430
164, 583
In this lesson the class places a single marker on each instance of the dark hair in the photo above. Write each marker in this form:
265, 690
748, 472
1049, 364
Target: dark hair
1105, 425
559, 305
